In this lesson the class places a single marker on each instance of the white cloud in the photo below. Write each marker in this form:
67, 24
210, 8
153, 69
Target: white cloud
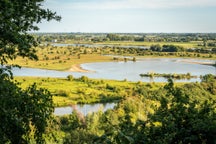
130, 4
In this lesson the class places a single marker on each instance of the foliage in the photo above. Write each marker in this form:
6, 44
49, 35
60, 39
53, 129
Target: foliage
24, 114
182, 120
17, 18
171, 114
70, 77
208, 78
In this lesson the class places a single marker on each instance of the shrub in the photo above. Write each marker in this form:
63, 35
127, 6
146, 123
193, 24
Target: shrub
70, 77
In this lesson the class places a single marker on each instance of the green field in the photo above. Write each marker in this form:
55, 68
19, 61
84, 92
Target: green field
148, 44
58, 59
84, 90
67, 91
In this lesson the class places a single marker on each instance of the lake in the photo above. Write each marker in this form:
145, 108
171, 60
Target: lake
130, 70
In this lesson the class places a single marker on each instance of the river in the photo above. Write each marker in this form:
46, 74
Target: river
123, 70
129, 70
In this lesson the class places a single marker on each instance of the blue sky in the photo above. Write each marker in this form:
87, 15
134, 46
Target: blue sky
141, 16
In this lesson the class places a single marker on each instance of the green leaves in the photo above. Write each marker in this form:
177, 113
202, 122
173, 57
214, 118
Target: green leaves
18, 17
24, 114
183, 120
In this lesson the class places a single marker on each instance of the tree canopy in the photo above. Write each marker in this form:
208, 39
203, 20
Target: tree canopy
17, 18
24, 114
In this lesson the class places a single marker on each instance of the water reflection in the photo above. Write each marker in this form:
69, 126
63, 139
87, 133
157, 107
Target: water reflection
84, 109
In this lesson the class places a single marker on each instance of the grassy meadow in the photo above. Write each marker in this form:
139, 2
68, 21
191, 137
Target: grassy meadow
60, 58
148, 44
68, 91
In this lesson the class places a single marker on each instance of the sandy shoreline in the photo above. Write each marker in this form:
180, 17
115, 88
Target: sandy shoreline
78, 68
197, 62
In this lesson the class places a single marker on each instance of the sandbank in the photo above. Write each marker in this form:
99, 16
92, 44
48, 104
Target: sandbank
198, 62
78, 68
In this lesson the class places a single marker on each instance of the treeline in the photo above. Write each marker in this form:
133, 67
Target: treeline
52, 52
176, 48
171, 114
205, 39
166, 48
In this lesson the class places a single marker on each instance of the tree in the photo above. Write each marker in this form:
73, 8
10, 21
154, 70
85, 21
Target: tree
172, 48
182, 120
17, 17
23, 113
208, 78
70, 77
156, 47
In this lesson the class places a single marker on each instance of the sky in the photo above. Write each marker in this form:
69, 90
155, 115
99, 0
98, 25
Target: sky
132, 16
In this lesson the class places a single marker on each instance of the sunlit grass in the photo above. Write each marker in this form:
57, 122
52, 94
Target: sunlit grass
67, 92
148, 44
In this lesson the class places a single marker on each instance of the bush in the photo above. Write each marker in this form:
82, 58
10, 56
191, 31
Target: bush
84, 79
70, 77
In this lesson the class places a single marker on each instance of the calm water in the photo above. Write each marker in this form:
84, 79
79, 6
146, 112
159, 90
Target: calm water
98, 45
120, 71
128, 70
84, 109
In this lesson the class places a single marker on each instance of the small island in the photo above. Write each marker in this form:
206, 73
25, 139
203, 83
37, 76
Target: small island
173, 76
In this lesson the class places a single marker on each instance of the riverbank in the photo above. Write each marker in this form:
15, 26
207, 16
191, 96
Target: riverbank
78, 68
199, 62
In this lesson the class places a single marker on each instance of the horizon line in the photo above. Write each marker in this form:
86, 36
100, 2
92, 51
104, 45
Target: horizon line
136, 32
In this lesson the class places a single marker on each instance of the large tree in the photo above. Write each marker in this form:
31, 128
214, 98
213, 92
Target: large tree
17, 17
24, 114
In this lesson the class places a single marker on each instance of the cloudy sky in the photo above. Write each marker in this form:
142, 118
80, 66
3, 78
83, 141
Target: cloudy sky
141, 16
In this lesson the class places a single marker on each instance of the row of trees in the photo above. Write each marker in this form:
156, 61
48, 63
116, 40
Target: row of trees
207, 39
175, 48
166, 48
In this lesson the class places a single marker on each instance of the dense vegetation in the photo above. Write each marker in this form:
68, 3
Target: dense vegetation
24, 114
167, 114
185, 113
